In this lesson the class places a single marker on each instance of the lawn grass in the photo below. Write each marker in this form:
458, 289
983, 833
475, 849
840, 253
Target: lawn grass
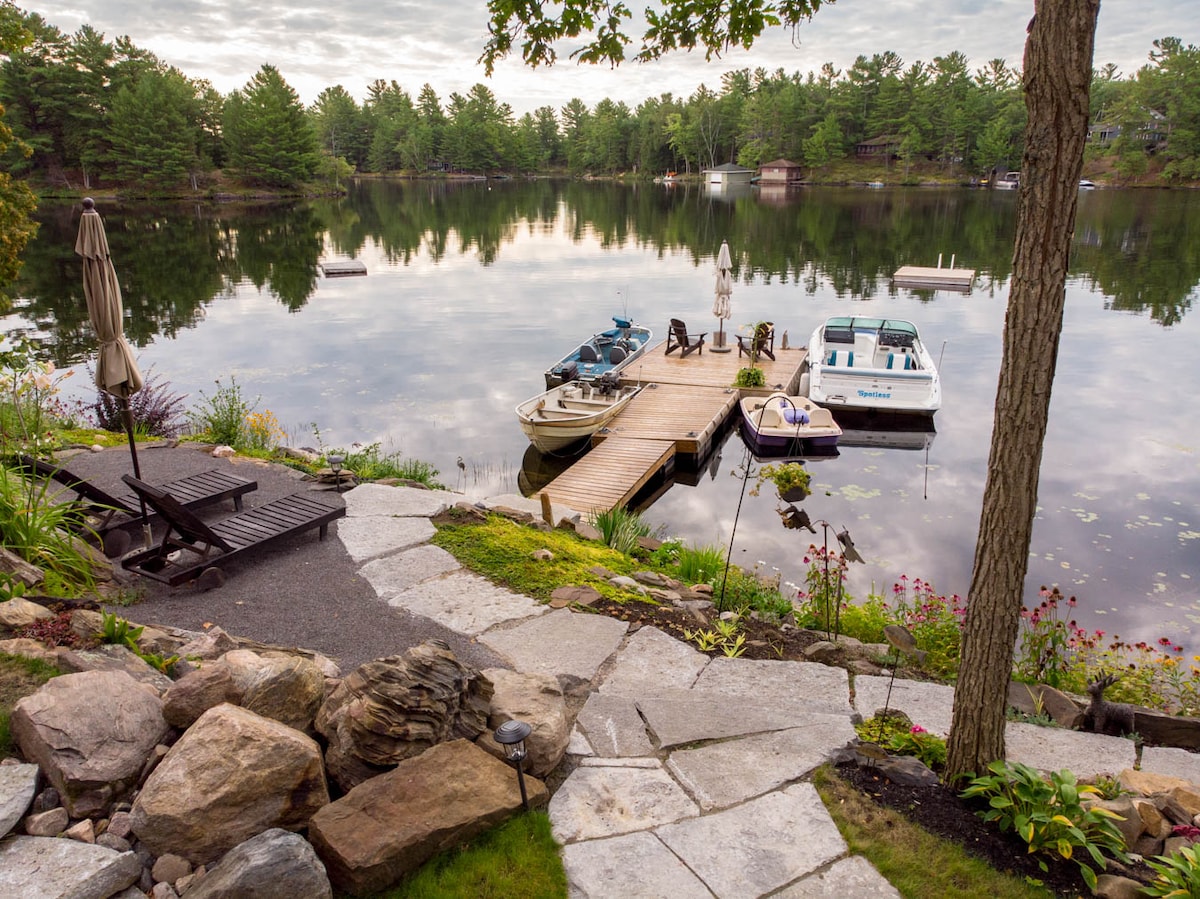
503, 551
19, 677
518, 860
917, 863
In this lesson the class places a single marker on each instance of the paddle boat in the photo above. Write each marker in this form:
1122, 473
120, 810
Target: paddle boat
571, 412
605, 353
872, 364
788, 425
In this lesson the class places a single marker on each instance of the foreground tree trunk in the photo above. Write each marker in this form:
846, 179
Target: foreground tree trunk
1057, 79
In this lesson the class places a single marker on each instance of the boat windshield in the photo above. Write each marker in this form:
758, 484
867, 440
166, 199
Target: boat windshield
892, 331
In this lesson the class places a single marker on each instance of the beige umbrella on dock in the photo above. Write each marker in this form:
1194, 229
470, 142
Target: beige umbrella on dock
116, 368
722, 293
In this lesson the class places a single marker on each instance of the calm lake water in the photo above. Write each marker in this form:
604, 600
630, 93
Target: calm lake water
474, 289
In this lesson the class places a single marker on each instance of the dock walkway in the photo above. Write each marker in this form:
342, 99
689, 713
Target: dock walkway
682, 410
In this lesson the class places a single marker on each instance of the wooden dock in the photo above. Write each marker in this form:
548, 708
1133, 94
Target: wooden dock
934, 278
681, 411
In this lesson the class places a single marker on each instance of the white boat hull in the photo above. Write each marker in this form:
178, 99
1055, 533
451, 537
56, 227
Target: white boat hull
570, 413
872, 365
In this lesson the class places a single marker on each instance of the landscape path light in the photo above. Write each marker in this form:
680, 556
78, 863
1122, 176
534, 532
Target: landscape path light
335, 463
511, 735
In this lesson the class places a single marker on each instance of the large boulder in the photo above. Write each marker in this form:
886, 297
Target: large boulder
232, 775
394, 823
18, 612
275, 864
18, 786
197, 692
536, 699
47, 866
392, 709
91, 733
287, 688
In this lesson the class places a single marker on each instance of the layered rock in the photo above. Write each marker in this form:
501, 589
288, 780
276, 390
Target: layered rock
395, 708
233, 774
91, 733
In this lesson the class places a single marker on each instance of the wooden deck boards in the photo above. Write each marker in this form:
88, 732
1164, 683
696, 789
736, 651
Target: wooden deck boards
609, 474
709, 369
686, 415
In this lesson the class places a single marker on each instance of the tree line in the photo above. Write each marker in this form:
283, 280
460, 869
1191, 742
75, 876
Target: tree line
93, 110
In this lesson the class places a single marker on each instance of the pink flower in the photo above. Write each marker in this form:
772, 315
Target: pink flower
917, 729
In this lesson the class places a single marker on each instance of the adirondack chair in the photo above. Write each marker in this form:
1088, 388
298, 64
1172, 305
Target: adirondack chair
112, 511
198, 548
678, 338
760, 343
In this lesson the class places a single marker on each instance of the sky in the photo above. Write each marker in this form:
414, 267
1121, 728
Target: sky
418, 42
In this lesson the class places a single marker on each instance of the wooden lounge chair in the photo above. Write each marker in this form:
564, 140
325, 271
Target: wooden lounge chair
191, 549
678, 338
193, 492
760, 343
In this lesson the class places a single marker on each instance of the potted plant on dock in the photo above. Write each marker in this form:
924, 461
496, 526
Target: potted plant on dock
752, 376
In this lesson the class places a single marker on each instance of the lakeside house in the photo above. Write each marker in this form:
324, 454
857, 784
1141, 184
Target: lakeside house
781, 172
727, 174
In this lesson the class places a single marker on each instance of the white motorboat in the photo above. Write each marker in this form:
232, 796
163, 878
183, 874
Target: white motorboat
872, 364
571, 412
788, 425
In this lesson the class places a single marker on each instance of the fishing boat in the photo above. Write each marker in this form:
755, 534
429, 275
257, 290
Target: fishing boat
601, 354
569, 413
872, 364
788, 425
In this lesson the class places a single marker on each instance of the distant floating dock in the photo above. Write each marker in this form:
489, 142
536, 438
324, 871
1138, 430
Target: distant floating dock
684, 407
344, 269
939, 278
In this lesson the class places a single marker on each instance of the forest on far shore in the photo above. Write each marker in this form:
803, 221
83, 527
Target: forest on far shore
89, 113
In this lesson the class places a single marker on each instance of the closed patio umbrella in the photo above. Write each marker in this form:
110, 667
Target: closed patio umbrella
116, 369
723, 291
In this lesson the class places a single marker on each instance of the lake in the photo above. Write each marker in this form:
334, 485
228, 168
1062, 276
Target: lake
474, 289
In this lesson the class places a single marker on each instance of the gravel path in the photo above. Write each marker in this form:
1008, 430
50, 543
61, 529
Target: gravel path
301, 592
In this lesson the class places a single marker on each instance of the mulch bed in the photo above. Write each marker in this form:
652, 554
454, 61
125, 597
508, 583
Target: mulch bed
940, 811
763, 640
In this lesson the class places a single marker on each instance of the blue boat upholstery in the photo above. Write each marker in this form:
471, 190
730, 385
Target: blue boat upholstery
844, 358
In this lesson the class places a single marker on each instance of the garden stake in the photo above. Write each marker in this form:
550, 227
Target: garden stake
745, 466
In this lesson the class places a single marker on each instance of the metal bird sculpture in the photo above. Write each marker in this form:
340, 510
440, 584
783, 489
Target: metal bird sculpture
901, 639
848, 550
794, 519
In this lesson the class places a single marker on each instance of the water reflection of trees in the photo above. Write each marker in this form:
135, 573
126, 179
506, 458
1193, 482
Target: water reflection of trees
1140, 248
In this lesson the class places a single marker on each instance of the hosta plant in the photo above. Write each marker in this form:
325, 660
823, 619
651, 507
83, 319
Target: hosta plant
1049, 815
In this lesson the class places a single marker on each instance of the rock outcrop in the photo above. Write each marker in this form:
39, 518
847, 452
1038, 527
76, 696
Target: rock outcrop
91, 734
233, 774
394, 823
395, 708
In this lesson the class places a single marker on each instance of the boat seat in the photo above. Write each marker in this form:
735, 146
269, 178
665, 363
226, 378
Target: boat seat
617, 355
587, 353
906, 364
820, 418
844, 358
768, 418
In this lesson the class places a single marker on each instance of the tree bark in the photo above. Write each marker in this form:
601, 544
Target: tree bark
1057, 80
